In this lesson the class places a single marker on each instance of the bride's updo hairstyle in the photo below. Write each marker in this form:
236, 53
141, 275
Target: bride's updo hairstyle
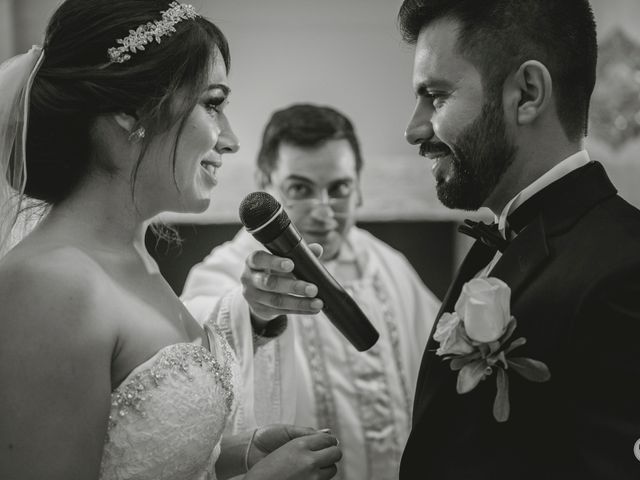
78, 81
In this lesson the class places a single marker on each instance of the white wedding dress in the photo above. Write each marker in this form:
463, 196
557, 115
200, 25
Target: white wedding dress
168, 415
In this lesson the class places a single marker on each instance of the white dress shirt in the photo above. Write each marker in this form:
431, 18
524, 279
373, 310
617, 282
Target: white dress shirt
566, 166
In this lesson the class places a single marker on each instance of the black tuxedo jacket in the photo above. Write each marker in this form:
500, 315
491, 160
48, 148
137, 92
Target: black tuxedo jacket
574, 274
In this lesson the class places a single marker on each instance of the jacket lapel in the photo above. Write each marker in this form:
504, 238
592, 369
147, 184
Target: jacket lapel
550, 212
524, 256
478, 257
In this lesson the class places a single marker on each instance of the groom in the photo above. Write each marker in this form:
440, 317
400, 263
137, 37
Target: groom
503, 90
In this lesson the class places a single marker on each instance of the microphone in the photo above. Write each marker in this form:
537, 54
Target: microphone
265, 219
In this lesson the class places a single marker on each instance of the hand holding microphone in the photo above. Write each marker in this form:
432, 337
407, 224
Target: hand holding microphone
263, 217
271, 289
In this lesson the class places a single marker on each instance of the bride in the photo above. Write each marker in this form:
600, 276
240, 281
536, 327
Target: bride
103, 372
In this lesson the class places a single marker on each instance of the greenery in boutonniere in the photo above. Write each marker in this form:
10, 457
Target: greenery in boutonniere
476, 339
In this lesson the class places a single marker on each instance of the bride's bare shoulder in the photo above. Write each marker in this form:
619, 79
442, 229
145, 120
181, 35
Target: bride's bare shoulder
57, 262
62, 285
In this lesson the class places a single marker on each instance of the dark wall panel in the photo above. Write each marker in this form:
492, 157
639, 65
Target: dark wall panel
427, 245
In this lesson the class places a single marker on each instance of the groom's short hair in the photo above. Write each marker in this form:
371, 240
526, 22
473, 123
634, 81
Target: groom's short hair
497, 36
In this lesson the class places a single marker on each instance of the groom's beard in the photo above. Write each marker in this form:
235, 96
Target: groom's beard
479, 158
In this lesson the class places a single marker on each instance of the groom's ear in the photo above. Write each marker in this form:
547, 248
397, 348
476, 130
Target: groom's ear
528, 92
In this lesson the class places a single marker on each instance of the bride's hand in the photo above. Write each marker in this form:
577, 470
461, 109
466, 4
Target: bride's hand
271, 437
287, 452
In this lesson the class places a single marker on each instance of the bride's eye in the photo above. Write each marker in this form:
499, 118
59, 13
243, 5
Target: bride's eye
215, 104
215, 99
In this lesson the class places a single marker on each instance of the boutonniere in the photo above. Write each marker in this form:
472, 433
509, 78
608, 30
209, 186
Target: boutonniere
476, 339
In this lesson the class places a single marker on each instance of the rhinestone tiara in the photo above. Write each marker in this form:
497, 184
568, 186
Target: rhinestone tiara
148, 32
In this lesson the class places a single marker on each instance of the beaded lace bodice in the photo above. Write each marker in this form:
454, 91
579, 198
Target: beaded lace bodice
168, 415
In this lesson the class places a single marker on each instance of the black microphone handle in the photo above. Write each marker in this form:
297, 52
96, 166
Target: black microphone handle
339, 307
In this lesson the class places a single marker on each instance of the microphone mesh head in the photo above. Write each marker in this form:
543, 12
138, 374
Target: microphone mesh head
257, 208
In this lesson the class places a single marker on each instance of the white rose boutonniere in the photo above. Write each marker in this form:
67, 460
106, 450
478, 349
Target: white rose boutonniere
476, 339
484, 306
450, 334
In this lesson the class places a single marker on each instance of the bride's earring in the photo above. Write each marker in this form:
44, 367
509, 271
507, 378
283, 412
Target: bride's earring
137, 135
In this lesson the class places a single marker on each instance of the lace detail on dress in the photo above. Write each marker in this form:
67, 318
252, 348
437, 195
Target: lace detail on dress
167, 417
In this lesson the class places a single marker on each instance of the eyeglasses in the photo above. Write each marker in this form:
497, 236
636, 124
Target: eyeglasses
304, 199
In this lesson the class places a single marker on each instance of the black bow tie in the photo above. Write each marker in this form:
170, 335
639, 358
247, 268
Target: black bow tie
489, 234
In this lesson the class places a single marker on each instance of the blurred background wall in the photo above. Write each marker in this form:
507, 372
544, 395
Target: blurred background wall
348, 53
